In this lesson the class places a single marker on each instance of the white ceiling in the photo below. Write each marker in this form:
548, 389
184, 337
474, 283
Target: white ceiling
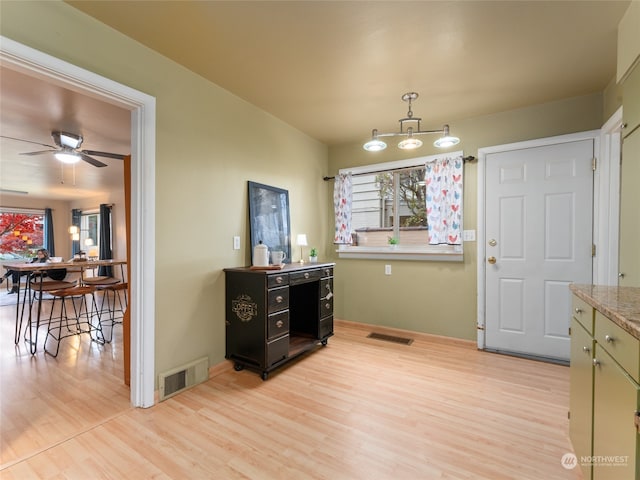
336, 69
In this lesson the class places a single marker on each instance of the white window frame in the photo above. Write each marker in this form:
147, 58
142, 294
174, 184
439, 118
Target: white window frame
446, 253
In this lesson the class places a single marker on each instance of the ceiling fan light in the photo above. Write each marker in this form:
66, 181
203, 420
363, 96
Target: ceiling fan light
66, 157
446, 141
70, 140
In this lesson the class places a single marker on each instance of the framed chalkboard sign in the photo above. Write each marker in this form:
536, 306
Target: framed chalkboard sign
269, 220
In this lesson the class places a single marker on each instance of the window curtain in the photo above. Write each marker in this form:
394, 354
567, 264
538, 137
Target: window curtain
49, 244
105, 240
443, 178
76, 218
342, 192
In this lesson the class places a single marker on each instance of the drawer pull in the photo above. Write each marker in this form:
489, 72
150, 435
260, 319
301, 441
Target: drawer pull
306, 275
279, 299
608, 339
279, 279
586, 349
279, 323
327, 306
578, 310
596, 362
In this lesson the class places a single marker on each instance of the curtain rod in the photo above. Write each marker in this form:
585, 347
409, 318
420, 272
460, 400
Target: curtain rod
470, 158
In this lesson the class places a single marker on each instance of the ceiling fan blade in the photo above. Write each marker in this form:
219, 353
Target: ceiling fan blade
38, 152
28, 141
92, 161
117, 156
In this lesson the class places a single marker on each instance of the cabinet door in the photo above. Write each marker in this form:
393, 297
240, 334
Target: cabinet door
629, 261
581, 393
615, 439
631, 101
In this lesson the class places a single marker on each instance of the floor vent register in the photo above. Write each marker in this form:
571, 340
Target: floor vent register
390, 338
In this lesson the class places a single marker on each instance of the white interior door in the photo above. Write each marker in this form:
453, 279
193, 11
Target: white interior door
538, 234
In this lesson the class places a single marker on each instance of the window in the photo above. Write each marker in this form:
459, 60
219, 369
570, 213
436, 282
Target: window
90, 233
389, 202
21, 233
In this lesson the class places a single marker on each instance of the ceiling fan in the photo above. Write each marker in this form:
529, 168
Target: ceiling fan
66, 149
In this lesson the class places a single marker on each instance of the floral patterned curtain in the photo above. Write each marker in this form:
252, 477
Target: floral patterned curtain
443, 178
342, 192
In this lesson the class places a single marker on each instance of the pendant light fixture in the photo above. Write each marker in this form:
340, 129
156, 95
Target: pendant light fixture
410, 142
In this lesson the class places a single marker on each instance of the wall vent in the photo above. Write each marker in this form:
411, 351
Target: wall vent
179, 379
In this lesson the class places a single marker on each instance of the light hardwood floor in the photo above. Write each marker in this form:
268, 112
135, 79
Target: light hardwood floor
356, 409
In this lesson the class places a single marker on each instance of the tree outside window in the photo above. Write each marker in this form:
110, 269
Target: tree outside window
21, 234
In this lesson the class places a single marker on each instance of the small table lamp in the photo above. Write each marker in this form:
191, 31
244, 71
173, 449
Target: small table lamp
302, 241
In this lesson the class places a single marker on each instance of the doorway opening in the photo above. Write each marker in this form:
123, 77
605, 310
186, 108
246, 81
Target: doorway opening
141, 275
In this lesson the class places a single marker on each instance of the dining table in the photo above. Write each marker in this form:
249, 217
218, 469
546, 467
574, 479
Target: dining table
25, 293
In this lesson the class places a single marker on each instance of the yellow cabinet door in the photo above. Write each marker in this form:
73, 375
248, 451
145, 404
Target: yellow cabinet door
581, 394
629, 260
615, 438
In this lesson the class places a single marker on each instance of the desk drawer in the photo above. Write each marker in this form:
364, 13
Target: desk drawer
278, 299
326, 307
621, 345
306, 276
277, 280
277, 350
277, 324
326, 327
583, 313
327, 272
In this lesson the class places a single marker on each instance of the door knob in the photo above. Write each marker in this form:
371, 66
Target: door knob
621, 275
491, 260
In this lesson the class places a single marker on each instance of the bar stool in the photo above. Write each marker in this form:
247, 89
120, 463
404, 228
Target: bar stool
39, 287
81, 321
110, 287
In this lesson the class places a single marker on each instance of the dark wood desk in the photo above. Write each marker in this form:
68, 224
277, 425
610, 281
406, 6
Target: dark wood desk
273, 316
31, 268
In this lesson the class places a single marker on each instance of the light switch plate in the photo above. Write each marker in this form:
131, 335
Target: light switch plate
236, 243
469, 235
387, 269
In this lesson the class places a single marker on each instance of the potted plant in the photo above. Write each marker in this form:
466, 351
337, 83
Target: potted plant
313, 255
393, 242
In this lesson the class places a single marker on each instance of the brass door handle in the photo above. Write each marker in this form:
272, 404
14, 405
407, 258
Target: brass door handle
491, 260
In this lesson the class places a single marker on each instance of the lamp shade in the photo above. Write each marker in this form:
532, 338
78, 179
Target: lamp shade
73, 229
302, 239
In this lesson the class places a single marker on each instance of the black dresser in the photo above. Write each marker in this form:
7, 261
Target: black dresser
272, 316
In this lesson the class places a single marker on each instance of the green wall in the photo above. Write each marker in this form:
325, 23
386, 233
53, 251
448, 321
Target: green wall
203, 161
440, 297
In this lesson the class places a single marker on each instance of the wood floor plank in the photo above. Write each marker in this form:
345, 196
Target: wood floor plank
359, 408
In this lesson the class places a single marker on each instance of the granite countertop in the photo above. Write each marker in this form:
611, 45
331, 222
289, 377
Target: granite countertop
620, 304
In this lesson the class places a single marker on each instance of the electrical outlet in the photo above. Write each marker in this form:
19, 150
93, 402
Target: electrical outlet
236, 243
387, 269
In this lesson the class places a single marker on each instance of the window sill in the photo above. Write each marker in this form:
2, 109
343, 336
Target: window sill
449, 253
